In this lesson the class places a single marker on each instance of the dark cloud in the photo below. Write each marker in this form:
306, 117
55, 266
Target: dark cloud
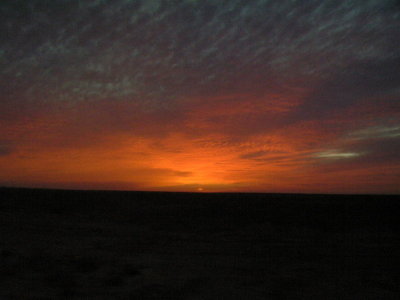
360, 83
378, 151
182, 174
5, 148
155, 51
253, 155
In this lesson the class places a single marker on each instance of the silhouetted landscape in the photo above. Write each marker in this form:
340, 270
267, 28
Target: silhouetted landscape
59, 244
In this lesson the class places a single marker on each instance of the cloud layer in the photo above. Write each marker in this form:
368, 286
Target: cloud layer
280, 96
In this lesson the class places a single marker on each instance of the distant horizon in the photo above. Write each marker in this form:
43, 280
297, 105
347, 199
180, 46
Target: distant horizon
190, 192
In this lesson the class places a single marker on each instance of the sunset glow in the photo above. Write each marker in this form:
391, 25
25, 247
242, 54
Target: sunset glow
202, 96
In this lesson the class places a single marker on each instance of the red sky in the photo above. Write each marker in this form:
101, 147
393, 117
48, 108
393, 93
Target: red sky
196, 97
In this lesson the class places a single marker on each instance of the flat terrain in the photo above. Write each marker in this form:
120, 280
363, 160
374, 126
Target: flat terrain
136, 245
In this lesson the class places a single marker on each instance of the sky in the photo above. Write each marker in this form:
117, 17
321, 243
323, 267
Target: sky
201, 95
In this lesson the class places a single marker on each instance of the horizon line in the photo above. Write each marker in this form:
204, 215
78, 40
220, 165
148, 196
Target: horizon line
187, 192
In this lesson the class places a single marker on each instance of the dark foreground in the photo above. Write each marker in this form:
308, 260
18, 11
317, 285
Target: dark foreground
128, 245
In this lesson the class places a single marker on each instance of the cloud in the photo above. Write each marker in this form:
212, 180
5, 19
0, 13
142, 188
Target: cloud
357, 85
5, 148
376, 132
118, 50
334, 154
253, 155
371, 147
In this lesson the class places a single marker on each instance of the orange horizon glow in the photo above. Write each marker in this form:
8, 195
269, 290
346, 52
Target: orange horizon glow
196, 154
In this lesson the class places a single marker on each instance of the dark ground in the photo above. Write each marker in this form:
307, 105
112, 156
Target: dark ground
132, 245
